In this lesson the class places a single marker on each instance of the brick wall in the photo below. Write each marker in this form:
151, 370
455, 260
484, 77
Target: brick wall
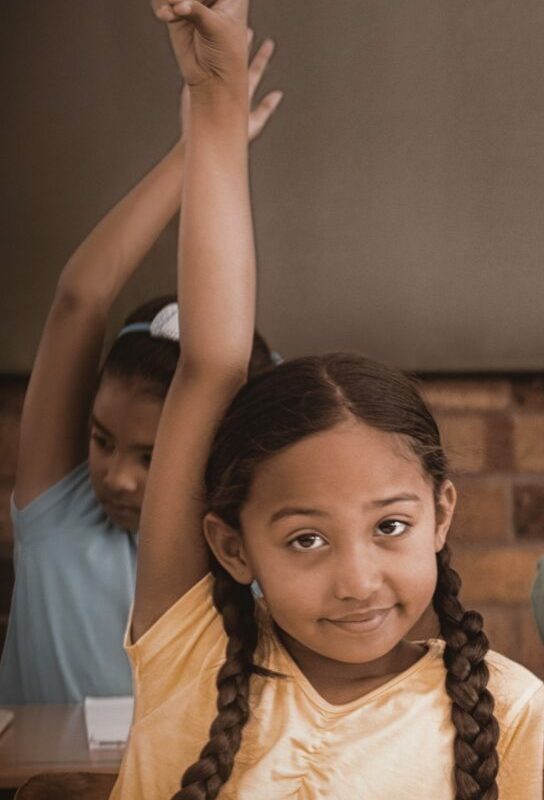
493, 429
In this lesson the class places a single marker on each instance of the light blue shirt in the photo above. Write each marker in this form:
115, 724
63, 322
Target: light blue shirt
74, 585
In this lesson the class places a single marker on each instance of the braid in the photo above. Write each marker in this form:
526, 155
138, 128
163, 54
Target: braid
204, 779
477, 730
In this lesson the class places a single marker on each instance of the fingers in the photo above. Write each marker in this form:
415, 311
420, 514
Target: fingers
195, 12
259, 64
163, 11
259, 117
173, 10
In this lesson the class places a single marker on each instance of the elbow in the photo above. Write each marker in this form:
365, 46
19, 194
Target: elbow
74, 299
70, 302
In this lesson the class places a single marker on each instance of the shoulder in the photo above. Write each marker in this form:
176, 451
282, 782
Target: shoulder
185, 644
513, 687
67, 506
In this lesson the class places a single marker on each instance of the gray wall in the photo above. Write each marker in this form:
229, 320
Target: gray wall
399, 193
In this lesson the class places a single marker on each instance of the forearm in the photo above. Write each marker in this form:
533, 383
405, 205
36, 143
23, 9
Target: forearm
107, 258
217, 252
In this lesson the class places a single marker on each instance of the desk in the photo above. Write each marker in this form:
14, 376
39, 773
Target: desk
49, 738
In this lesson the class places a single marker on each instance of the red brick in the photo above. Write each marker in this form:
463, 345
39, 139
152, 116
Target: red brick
528, 393
484, 510
529, 511
499, 574
529, 442
465, 439
531, 653
499, 442
501, 627
455, 394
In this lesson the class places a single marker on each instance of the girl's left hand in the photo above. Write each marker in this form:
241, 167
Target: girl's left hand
258, 116
208, 38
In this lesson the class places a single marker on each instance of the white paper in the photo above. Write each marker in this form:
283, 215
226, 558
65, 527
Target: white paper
108, 720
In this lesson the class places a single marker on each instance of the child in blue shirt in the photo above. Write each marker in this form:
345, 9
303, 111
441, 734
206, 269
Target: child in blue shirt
76, 503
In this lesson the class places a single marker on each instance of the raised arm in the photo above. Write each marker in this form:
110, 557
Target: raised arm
57, 404
217, 300
56, 409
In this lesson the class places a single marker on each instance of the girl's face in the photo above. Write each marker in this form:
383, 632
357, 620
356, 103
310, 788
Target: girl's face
124, 424
341, 531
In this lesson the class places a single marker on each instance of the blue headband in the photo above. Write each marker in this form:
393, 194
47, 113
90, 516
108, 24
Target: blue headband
135, 327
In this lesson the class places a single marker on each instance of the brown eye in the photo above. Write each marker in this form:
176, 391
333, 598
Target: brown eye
307, 541
101, 441
393, 528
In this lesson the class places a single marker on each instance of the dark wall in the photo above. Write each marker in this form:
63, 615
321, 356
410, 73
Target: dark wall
398, 195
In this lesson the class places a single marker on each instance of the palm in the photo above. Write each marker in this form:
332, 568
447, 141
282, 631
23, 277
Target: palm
195, 55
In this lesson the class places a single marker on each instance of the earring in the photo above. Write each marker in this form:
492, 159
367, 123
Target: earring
256, 590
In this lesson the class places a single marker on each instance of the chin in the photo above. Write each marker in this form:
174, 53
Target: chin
127, 521
355, 652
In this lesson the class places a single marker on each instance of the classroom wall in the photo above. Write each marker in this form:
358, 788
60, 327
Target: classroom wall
398, 194
493, 428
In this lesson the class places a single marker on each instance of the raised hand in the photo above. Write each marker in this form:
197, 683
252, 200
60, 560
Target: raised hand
262, 112
259, 116
209, 42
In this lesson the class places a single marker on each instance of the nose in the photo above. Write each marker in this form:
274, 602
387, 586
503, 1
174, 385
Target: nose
358, 574
120, 477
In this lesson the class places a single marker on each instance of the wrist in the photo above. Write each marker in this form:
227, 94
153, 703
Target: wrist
220, 93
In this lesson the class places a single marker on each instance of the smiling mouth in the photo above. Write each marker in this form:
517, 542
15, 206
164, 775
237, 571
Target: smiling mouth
361, 623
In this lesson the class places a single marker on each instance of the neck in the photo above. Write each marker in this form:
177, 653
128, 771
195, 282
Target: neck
340, 682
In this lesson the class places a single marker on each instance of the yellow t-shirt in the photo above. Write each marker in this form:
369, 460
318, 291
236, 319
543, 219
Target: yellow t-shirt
395, 741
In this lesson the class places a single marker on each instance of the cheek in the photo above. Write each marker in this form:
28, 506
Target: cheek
415, 578
94, 461
292, 592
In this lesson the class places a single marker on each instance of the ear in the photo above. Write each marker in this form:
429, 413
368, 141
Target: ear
445, 507
227, 545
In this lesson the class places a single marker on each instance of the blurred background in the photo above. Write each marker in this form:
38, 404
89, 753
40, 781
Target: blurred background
398, 197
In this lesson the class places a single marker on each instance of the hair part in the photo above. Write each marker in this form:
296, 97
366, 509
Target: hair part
271, 412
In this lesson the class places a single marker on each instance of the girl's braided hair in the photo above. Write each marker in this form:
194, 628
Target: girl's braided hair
271, 412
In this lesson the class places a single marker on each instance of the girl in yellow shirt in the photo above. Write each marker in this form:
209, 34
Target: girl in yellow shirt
321, 488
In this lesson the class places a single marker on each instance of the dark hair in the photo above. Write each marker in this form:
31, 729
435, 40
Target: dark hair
153, 360
271, 412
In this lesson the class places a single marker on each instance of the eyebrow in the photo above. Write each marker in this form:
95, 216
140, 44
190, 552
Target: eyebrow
291, 511
96, 422
406, 497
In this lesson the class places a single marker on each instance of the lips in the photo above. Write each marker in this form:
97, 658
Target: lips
362, 622
116, 508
